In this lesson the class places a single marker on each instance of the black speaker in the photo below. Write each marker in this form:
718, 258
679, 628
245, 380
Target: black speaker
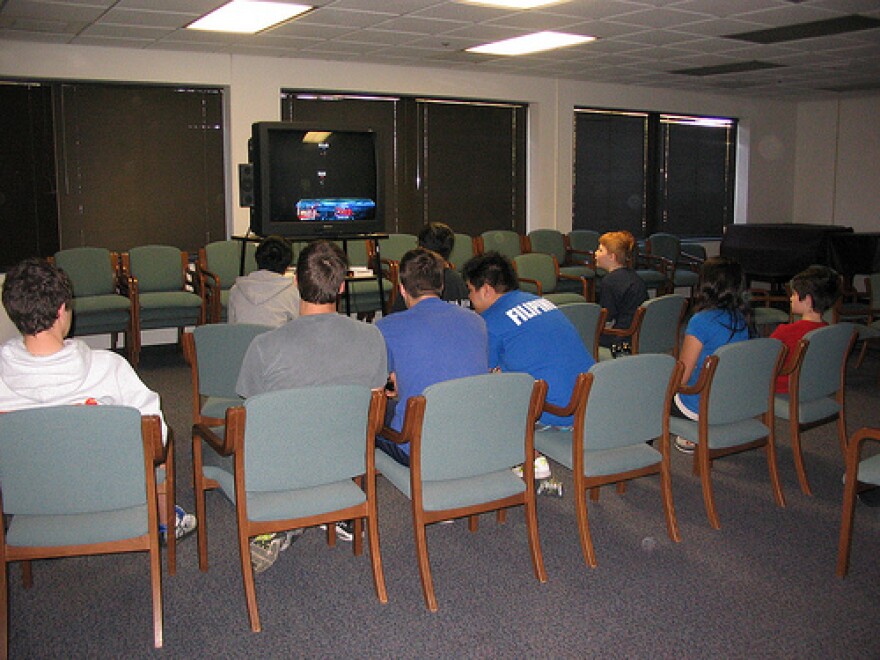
246, 185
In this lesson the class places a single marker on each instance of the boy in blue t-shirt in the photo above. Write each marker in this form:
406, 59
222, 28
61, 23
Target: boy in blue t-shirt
526, 334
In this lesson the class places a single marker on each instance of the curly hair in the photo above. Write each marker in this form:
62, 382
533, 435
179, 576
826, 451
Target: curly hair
33, 292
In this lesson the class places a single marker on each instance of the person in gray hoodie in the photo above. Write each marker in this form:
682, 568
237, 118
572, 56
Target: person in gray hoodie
266, 296
42, 367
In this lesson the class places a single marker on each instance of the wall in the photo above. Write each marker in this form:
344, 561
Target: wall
767, 154
837, 166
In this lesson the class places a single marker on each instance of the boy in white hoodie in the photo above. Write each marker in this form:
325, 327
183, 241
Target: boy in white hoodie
42, 368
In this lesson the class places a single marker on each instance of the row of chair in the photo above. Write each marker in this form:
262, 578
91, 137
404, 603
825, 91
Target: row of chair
464, 436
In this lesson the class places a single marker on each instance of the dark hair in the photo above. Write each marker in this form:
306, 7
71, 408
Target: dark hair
491, 268
421, 272
438, 237
320, 271
274, 253
721, 287
33, 292
821, 283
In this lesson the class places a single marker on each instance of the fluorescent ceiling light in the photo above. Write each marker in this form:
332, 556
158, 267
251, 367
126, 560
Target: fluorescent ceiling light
531, 43
316, 137
247, 16
514, 4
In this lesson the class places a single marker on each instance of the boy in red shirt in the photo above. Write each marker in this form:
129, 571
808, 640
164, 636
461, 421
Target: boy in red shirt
813, 292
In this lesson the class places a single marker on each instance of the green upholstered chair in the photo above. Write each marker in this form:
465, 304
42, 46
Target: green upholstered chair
218, 265
817, 388
285, 467
363, 297
539, 273
653, 270
681, 267
768, 309
859, 473
582, 245
589, 319
869, 331
619, 407
552, 241
98, 305
79, 480
655, 328
505, 241
391, 251
161, 282
462, 251
215, 353
465, 435
736, 385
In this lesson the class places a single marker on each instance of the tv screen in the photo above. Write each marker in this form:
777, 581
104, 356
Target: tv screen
315, 180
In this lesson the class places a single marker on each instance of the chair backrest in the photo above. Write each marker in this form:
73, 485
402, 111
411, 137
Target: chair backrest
462, 251
627, 401
696, 250
661, 326
585, 240
396, 245
537, 266
587, 318
821, 368
63, 460
305, 437
157, 267
91, 270
664, 245
505, 241
474, 425
223, 258
743, 379
549, 241
219, 352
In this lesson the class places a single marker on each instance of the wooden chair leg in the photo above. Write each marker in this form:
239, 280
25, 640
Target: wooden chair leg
247, 576
170, 510
156, 584
201, 513
534, 539
847, 516
701, 455
376, 557
474, 522
621, 488
4, 610
580, 506
594, 493
424, 565
774, 472
796, 450
668, 504
357, 544
501, 516
841, 432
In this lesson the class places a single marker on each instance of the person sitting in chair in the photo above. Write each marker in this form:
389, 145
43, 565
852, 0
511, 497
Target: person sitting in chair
266, 296
44, 368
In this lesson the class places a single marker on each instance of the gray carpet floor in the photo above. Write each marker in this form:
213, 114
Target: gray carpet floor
762, 586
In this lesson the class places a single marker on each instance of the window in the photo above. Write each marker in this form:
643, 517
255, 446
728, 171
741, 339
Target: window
458, 162
651, 172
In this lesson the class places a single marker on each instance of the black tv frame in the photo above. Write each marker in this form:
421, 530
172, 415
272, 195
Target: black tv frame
261, 222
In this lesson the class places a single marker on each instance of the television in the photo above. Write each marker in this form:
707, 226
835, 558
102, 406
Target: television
315, 179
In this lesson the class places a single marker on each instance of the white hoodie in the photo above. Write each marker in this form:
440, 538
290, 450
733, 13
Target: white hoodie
75, 375
264, 298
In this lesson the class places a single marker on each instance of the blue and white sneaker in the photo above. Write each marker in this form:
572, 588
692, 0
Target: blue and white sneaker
185, 525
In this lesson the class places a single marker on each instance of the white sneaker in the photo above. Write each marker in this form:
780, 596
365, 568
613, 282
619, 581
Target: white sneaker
542, 468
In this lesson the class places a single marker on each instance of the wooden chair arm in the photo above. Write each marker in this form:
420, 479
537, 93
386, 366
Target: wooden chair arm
234, 428
394, 436
589, 258
151, 427
577, 394
620, 332
702, 381
534, 283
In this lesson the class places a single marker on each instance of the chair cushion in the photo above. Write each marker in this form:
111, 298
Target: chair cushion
78, 528
557, 445
451, 493
808, 411
720, 435
869, 470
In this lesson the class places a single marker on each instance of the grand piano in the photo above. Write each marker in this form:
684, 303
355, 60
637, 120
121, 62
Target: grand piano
774, 253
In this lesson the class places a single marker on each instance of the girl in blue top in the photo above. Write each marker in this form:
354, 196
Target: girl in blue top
721, 318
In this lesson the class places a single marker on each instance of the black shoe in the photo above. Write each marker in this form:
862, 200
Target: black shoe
870, 497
